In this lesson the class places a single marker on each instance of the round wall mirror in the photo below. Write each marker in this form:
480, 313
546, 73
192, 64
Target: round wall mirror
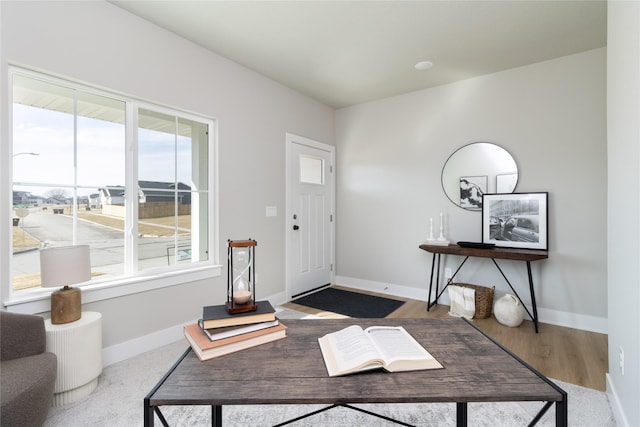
475, 169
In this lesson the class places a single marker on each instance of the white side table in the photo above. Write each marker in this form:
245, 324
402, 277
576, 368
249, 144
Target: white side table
78, 346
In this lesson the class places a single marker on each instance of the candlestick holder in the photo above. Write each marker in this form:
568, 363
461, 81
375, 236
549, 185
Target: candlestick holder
441, 236
441, 240
431, 229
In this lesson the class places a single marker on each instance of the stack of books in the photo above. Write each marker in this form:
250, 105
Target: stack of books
219, 333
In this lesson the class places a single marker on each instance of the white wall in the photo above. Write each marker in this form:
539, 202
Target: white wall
550, 116
623, 111
101, 44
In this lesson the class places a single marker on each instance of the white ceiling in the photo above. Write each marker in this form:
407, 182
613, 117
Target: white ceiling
343, 53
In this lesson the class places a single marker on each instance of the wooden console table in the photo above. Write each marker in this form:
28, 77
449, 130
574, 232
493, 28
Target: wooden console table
526, 255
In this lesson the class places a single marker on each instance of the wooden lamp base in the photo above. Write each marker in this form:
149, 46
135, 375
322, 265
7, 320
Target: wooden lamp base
66, 305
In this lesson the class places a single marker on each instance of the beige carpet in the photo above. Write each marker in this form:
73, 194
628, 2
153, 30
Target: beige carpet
118, 401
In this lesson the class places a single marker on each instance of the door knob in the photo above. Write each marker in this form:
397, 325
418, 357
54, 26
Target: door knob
295, 228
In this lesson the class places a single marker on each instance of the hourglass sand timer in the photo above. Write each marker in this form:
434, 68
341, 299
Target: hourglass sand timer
241, 276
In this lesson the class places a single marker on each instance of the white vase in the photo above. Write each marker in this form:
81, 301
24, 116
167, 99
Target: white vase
509, 311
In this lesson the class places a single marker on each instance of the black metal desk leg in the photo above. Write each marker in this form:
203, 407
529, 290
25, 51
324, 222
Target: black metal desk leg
148, 414
433, 264
461, 414
437, 272
216, 416
533, 296
562, 417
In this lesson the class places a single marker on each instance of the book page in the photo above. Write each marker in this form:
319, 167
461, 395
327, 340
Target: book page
396, 343
350, 349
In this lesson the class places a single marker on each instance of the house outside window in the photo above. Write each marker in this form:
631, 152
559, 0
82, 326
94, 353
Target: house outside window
131, 179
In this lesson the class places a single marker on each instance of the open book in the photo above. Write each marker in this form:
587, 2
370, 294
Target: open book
353, 349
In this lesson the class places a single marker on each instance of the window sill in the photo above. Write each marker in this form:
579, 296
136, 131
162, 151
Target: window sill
39, 301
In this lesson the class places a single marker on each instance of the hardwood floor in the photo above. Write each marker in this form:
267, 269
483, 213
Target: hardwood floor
570, 355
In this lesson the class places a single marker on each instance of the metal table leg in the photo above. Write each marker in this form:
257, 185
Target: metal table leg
461, 414
216, 416
435, 271
533, 296
562, 417
534, 315
433, 264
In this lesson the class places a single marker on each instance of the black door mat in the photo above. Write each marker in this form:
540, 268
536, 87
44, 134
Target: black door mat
352, 304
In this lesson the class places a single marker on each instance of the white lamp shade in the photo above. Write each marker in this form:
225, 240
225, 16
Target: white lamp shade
65, 265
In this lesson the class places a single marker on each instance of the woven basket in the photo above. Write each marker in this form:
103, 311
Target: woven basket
484, 299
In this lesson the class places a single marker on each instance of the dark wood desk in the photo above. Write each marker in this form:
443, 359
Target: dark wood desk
292, 371
526, 255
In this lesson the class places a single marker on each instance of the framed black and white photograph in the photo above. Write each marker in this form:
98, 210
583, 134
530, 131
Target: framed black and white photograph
516, 220
471, 190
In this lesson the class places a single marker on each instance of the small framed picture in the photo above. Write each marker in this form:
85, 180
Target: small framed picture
471, 190
506, 183
516, 220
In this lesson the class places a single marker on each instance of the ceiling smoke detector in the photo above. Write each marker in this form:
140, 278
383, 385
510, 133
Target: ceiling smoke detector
423, 65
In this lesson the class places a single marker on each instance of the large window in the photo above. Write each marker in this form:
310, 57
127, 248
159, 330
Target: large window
130, 179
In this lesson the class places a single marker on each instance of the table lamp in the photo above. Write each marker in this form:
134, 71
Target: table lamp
65, 266
241, 276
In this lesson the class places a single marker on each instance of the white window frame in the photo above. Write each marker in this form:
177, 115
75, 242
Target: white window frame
37, 300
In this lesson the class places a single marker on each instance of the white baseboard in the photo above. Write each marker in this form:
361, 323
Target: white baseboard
573, 320
136, 346
383, 288
278, 299
553, 317
616, 407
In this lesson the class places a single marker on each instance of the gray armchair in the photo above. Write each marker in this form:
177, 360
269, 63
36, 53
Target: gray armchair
27, 371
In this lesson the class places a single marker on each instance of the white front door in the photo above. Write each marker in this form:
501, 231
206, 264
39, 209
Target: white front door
309, 221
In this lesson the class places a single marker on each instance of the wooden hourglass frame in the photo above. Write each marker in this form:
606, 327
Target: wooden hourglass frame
241, 284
